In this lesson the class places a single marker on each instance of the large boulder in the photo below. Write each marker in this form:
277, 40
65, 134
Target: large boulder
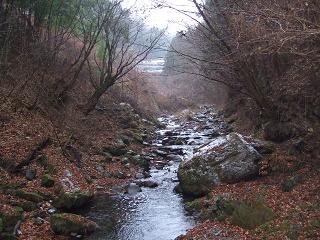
73, 200
228, 159
66, 224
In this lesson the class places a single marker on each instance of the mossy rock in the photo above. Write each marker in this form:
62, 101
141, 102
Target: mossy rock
194, 205
30, 196
117, 151
27, 206
250, 216
47, 181
225, 205
73, 200
139, 161
221, 210
192, 181
10, 218
67, 223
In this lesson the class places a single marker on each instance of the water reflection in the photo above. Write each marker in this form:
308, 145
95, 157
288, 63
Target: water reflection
152, 214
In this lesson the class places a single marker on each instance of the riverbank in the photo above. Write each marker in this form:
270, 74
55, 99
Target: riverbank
51, 166
280, 202
120, 170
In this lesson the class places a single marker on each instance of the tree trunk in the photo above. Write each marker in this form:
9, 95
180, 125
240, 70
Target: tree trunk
93, 100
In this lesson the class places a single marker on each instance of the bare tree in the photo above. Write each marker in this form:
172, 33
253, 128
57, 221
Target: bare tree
251, 46
122, 47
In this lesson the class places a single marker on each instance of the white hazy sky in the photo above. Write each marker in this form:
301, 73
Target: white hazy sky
165, 17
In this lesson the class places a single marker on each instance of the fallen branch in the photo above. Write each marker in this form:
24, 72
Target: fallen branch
32, 155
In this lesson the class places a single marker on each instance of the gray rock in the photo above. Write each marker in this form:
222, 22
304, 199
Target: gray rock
175, 158
52, 210
119, 174
139, 176
263, 147
31, 174
149, 184
38, 221
231, 161
133, 189
100, 168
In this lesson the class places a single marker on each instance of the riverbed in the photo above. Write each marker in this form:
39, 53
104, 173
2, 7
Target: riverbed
156, 213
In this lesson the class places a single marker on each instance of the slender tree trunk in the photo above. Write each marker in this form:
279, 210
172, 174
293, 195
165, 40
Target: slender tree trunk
93, 100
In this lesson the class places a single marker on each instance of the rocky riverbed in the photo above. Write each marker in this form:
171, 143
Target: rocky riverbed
194, 177
199, 151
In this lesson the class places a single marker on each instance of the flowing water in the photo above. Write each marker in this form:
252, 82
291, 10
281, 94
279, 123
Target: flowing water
152, 65
156, 213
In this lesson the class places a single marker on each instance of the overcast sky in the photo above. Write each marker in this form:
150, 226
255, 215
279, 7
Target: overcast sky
165, 17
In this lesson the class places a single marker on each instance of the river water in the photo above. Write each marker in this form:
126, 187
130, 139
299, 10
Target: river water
152, 65
156, 213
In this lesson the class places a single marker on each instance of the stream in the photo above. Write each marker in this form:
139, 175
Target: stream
157, 213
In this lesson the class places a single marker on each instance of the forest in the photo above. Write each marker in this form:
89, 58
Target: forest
114, 126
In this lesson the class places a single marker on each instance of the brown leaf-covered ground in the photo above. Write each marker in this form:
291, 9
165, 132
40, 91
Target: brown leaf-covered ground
21, 131
297, 212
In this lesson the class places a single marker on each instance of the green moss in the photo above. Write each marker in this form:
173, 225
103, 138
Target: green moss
194, 205
249, 216
67, 223
73, 200
117, 150
225, 206
9, 186
139, 161
221, 210
25, 205
30, 196
50, 169
44, 162
47, 181
192, 182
